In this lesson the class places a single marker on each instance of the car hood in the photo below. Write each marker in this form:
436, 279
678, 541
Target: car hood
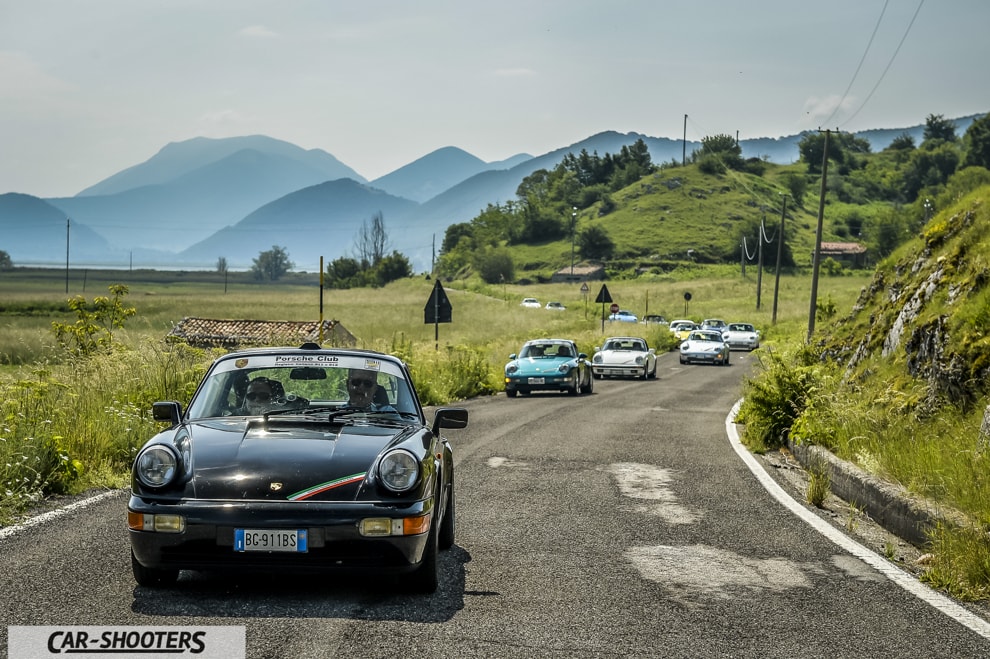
701, 346
621, 356
540, 365
287, 462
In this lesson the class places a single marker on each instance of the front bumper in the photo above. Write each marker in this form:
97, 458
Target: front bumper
704, 357
549, 383
207, 542
620, 371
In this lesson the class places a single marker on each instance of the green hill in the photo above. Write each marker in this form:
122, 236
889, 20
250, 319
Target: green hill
900, 385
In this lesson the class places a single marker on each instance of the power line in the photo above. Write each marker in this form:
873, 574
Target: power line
887, 68
861, 60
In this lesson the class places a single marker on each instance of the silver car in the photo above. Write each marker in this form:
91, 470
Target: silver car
742, 336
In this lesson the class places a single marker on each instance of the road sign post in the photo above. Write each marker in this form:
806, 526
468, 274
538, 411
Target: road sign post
437, 310
604, 297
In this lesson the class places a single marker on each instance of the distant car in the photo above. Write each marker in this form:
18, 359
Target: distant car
295, 475
653, 319
706, 346
681, 328
548, 365
625, 356
742, 336
624, 316
714, 324
530, 302
555, 306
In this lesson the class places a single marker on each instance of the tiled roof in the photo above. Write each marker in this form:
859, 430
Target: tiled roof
843, 248
581, 269
212, 332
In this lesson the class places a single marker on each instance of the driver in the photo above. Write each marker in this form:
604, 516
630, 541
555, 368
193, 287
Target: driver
262, 395
362, 386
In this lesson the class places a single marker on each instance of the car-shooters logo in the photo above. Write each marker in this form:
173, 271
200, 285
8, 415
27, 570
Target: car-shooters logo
122, 642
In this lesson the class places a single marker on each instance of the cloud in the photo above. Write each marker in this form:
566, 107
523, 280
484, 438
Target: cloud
22, 78
223, 119
520, 72
821, 108
259, 32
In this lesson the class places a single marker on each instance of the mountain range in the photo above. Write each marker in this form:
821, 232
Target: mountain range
201, 199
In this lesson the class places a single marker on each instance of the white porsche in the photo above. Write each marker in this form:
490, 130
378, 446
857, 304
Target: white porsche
624, 356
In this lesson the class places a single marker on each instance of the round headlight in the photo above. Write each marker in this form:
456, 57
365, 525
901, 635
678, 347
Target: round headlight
399, 471
511, 368
157, 466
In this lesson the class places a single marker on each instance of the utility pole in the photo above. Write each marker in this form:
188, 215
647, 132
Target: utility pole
573, 227
780, 253
66, 256
684, 144
818, 240
759, 266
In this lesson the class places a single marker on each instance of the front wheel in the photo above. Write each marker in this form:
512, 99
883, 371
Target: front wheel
152, 577
590, 386
511, 393
426, 578
447, 526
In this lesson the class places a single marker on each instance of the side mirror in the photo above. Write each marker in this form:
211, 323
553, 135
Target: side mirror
449, 417
170, 411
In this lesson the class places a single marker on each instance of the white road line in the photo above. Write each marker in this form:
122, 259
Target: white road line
9, 531
906, 581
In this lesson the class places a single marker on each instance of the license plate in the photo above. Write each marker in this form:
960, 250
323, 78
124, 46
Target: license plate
535, 380
289, 540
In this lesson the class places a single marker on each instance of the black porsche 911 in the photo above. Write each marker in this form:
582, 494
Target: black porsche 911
297, 459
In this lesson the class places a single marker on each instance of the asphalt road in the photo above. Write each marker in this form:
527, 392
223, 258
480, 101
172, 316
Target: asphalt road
618, 524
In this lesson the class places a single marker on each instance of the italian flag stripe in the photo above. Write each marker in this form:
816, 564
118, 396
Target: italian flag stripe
323, 487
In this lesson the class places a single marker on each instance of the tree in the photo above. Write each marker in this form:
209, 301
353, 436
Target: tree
5, 262
938, 129
886, 233
929, 168
271, 265
392, 267
344, 272
903, 142
222, 265
372, 241
494, 265
595, 243
977, 140
797, 185
456, 234
723, 148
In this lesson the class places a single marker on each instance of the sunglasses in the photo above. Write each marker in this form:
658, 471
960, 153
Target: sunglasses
258, 395
360, 382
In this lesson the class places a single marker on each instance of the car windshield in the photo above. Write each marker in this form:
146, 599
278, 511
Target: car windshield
628, 344
546, 350
706, 336
270, 383
738, 327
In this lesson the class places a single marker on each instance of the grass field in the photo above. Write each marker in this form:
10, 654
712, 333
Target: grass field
488, 317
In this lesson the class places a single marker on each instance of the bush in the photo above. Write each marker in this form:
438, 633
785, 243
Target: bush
775, 398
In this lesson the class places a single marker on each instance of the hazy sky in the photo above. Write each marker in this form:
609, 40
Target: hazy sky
90, 88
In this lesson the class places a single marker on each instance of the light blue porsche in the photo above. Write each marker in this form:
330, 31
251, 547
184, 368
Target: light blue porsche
548, 365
